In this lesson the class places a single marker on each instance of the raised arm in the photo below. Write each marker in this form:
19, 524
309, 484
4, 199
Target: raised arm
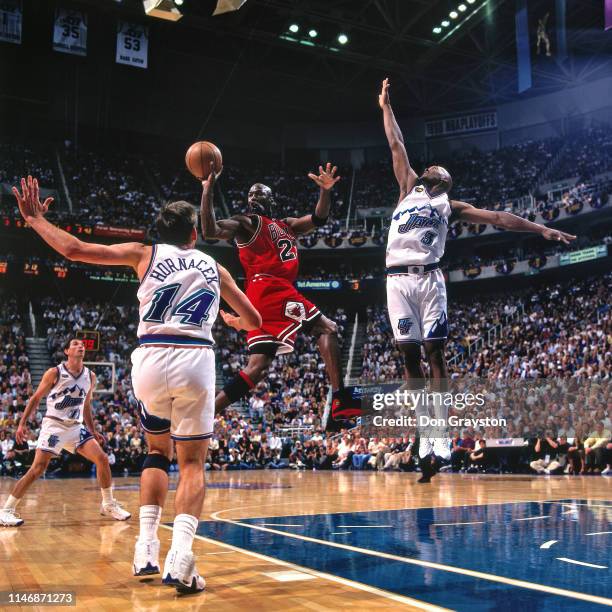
133, 254
405, 175
248, 316
238, 226
467, 212
46, 384
326, 180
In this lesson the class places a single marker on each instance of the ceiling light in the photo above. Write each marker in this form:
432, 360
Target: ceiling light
445, 23
312, 33
437, 30
462, 8
294, 27
342, 39
453, 14
178, 2
471, 1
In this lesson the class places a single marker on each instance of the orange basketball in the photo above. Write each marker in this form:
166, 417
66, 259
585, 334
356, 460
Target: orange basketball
200, 155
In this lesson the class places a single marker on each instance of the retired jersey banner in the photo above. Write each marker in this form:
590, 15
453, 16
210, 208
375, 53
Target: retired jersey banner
70, 32
132, 44
10, 21
461, 124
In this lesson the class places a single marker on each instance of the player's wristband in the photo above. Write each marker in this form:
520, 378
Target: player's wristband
318, 221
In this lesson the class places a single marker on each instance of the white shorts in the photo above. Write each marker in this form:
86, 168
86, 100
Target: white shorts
417, 306
175, 387
55, 436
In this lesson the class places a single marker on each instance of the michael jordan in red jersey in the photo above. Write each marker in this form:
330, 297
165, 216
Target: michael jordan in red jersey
270, 262
268, 252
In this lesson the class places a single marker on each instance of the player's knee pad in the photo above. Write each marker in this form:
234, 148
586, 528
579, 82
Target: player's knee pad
238, 387
157, 460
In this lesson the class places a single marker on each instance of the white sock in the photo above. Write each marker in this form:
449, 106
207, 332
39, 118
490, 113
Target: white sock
11, 503
149, 522
107, 495
185, 526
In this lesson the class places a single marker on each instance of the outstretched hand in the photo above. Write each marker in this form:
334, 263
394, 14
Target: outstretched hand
383, 97
28, 199
231, 320
209, 183
556, 235
326, 178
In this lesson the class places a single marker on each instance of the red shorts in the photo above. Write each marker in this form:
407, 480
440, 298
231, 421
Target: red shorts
284, 311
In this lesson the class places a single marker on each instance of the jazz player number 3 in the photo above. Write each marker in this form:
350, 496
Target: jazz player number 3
173, 371
416, 293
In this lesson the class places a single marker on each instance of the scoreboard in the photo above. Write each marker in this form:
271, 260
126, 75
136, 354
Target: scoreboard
91, 339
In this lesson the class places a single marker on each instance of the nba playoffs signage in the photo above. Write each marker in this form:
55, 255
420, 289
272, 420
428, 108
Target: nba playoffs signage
132, 44
10, 21
70, 32
461, 124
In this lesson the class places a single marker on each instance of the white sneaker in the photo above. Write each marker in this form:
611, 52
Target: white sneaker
114, 510
441, 448
606, 471
146, 558
180, 572
9, 518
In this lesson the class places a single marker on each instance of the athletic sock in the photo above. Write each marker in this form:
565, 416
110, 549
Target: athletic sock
11, 503
183, 532
107, 496
149, 522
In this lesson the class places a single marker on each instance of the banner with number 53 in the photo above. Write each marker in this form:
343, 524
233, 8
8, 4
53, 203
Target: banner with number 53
70, 32
132, 44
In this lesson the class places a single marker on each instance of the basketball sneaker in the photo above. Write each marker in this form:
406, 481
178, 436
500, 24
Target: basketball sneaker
180, 572
10, 518
146, 558
441, 448
344, 405
114, 510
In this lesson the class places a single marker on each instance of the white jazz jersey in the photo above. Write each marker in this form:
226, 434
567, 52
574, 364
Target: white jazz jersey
66, 400
417, 234
178, 296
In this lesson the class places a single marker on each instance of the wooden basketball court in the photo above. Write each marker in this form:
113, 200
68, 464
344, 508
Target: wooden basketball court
273, 540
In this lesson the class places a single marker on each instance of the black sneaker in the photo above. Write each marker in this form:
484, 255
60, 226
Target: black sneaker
345, 406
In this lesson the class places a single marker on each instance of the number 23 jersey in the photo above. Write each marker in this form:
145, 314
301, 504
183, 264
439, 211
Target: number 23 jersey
178, 297
271, 251
417, 233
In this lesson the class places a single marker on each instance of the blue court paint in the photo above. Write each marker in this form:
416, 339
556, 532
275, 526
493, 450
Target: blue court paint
502, 545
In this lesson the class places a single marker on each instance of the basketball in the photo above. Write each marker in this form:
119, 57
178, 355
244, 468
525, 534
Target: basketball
200, 155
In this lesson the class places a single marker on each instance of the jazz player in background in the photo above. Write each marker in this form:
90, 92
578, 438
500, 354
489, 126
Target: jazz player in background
173, 371
268, 252
67, 424
416, 293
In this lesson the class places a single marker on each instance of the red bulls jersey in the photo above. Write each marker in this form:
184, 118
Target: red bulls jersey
272, 250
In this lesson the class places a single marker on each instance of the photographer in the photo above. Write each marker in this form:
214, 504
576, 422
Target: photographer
546, 452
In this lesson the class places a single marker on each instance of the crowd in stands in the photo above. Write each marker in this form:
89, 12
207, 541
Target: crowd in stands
586, 155
15, 379
108, 188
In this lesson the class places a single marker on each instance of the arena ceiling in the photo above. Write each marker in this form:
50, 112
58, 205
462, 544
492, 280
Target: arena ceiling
242, 62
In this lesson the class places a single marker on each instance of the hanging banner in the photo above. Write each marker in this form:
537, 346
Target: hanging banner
70, 32
10, 21
132, 44
461, 124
